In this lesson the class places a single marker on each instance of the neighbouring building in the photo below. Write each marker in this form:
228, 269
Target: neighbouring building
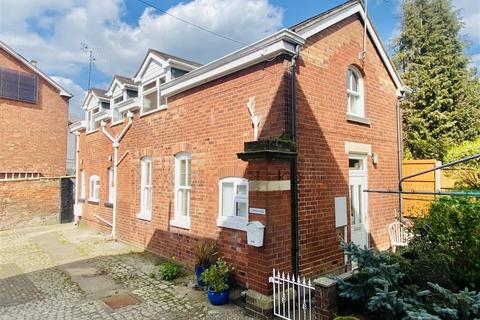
33, 139
288, 131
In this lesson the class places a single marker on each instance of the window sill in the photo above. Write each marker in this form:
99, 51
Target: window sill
181, 222
81, 200
108, 204
93, 201
116, 123
91, 132
153, 111
144, 216
232, 223
358, 119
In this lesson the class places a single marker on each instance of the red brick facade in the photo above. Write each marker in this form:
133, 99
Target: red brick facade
211, 122
322, 132
33, 140
33, 136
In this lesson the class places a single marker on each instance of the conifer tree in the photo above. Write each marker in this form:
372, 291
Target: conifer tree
444, 108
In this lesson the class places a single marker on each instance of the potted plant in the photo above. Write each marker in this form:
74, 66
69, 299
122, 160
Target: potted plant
203, 252
216, 278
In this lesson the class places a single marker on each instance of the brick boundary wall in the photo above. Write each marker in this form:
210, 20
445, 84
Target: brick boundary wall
35, 202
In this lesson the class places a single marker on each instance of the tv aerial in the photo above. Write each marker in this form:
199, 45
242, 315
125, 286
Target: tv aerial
89, 51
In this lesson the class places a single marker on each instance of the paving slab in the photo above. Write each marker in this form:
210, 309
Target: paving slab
66, 272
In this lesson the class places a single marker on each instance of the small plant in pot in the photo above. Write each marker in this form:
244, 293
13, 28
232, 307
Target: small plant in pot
216, 278
203, 252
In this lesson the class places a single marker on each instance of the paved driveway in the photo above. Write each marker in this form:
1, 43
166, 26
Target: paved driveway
65, 272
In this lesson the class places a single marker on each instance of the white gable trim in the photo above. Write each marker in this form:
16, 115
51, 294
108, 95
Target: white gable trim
322, 24
111, 89
89, 97
87, 100
9, 50
150, 56
283, 41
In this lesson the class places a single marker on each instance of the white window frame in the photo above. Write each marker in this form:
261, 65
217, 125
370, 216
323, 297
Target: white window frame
90, 121
359, 94
146, 187
233, 222
159, 106
82, 185
111, 184
94, 188
114, 109
179, 219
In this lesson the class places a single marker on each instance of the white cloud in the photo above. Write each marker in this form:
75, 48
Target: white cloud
78, 92
51, 31
470, 12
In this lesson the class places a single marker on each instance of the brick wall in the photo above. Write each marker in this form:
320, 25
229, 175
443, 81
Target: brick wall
29, 202
33, 136
212, 122
322, 132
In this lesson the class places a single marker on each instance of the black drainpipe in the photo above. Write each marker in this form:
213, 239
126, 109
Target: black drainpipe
294, 169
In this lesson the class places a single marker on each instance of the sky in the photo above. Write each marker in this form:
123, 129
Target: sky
121, 31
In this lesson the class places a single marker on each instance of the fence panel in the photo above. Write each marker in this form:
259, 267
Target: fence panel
417, 205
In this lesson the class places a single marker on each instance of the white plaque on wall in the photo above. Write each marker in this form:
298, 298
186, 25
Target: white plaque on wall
257, 210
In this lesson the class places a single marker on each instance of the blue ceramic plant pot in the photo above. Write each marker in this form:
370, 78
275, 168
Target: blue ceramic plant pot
198, 275
218, 298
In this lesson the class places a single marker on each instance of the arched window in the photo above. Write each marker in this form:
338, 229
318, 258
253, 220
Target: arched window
233, 203
355, 92
94, 188
183, 185
145, 189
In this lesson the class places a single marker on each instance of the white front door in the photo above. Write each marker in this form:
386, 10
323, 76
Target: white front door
358, 200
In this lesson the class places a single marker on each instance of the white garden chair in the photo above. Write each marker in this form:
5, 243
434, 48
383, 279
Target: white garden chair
398, 235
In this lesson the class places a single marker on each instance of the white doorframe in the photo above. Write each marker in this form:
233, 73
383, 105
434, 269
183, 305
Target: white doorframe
358, 200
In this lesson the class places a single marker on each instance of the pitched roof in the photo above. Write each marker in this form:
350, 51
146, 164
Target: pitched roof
20, 58
98, 92
166, 56
323, 15
123, 79
325, 19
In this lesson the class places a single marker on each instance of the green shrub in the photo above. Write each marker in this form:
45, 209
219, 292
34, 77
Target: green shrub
216, 276
346, 318
375, 270
388, 296
168, 271
468, 173
445, 248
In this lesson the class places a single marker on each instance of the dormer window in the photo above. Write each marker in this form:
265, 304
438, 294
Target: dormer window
131, 93
118, 99
151, 95
92, 125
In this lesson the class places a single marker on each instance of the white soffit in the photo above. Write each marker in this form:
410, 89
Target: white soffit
283, 41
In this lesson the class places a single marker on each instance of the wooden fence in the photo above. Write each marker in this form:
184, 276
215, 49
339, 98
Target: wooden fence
417, 205
441, 180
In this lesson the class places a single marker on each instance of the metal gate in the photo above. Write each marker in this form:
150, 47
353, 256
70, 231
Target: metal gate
292, 296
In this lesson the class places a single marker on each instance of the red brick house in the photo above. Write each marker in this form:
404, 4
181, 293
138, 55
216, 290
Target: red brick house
32, 104
33, 140
288, 131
